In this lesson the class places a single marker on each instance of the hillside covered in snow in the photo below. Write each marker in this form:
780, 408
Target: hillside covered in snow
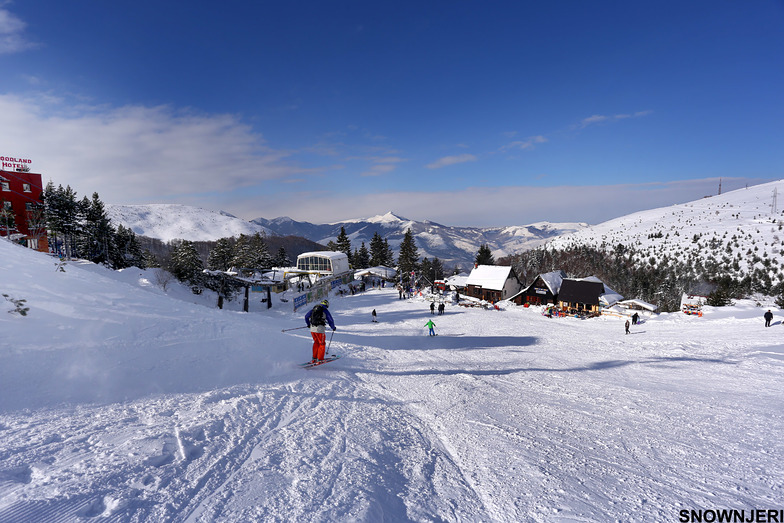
169, 222
124, 401
738, 232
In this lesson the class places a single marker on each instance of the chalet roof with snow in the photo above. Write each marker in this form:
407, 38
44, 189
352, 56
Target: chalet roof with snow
457, 280
552, 279
590, 290
634, 303
491, 277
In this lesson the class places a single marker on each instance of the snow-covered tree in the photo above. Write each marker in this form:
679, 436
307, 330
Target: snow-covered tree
221, 255
185, 263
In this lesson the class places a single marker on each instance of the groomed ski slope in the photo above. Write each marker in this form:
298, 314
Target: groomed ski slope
120, 402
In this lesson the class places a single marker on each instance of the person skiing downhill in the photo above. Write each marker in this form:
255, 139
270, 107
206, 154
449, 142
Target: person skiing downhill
317, 319
430, 326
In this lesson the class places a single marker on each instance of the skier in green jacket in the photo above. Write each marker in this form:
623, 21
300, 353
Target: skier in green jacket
430, 326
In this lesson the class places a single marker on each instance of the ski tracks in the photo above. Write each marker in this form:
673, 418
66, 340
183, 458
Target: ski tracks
332, 451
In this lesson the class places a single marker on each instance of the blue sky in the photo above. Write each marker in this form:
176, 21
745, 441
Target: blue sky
465, 113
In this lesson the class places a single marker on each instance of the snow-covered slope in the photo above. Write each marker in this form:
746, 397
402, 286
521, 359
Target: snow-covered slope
742, 229
122, 402
168, 222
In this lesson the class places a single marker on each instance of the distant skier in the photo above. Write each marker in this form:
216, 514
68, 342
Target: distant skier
635, 318
768, 318
430, 326
627, 326
373, 314
441, 308
317, 319
432, 307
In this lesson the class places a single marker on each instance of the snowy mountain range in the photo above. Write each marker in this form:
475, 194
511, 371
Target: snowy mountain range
452, 245
742, 229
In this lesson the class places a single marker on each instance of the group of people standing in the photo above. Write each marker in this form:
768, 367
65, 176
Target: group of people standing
441, 308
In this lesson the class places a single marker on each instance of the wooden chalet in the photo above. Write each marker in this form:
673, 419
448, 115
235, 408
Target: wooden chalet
492, 283
585, 296
542, 291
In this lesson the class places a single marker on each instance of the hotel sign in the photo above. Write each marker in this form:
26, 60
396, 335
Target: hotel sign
9, 162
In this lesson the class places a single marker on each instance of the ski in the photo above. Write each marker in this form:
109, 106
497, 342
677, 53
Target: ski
311, 364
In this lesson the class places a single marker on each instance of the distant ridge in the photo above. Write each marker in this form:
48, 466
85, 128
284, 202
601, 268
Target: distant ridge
454, 246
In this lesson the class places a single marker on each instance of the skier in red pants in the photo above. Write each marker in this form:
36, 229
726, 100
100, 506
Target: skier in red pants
317, 319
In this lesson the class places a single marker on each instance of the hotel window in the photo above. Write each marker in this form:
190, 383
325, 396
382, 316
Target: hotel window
7, 205
26, 187
6, 186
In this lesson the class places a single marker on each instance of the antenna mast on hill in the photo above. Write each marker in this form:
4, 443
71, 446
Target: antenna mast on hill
773, 206
719, 185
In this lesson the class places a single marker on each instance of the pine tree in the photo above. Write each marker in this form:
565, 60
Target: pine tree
426, 268
262, 259
361, 257
484, 256
97, 234
408, 259
221, 255
242, 257
251, 252
389, 257
281, 259
185, 263
343, 244
377, 250
438, 269
125, 250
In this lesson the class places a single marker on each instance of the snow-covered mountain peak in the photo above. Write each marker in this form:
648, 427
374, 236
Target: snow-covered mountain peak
388, 218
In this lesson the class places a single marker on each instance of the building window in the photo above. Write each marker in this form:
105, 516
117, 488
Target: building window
26, 187
6, 186
7, 205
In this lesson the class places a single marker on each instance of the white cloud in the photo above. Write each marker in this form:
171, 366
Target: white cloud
451, 160
379, 169
12, 38
600, 118
137, 153
529, 143
461, 207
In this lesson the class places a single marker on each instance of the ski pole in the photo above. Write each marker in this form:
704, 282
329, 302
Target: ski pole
330, 342
295, 329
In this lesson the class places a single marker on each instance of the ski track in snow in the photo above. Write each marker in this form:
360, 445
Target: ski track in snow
504, 416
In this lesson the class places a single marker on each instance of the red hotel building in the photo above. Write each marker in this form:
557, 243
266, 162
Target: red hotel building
20, 196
